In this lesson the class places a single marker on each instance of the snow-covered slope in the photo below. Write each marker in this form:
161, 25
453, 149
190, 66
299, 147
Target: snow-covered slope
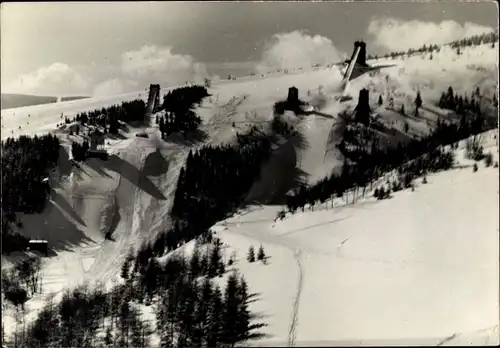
415, 269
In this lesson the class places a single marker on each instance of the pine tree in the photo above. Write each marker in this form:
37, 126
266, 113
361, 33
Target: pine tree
231, 310
139, 331
243, 312
251, 254
460, 105
214, 318
198, 335
261, 254
442, 101
201, 327
162, 127
124, 320
222, 269
402, 110
215, 261
108, 338
380, 101
232, 258
194, 263
186, 314
418, 102
450, 94
167, 318
205, 263
125, 269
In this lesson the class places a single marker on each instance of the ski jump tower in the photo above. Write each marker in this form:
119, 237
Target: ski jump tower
357, 66
153, 99
358, 58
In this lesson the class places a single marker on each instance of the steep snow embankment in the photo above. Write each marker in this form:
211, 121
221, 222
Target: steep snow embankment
148, 176
420, 268
128, 196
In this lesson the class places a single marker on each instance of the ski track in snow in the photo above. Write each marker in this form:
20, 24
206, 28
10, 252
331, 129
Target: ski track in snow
292, 335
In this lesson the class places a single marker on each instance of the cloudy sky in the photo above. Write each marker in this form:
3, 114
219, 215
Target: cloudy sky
103, 48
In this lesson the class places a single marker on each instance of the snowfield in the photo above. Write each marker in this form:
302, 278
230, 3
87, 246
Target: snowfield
419, 268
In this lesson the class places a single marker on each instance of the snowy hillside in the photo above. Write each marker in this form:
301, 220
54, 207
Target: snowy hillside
417, 268
421, 264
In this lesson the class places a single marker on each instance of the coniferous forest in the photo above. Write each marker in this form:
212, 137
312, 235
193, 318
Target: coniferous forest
190, 309
26, 162
213, 183
179, 110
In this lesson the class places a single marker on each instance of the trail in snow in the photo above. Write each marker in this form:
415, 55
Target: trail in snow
292, 335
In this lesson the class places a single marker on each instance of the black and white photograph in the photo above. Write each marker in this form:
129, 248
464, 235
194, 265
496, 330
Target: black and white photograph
249, 174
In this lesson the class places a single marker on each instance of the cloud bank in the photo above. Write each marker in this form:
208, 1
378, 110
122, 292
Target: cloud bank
54, 80
137, 69
396, 35
152, 64
297, 49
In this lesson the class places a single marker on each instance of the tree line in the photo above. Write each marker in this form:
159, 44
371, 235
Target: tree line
461, 104
476, 40
108, 117
410, 52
